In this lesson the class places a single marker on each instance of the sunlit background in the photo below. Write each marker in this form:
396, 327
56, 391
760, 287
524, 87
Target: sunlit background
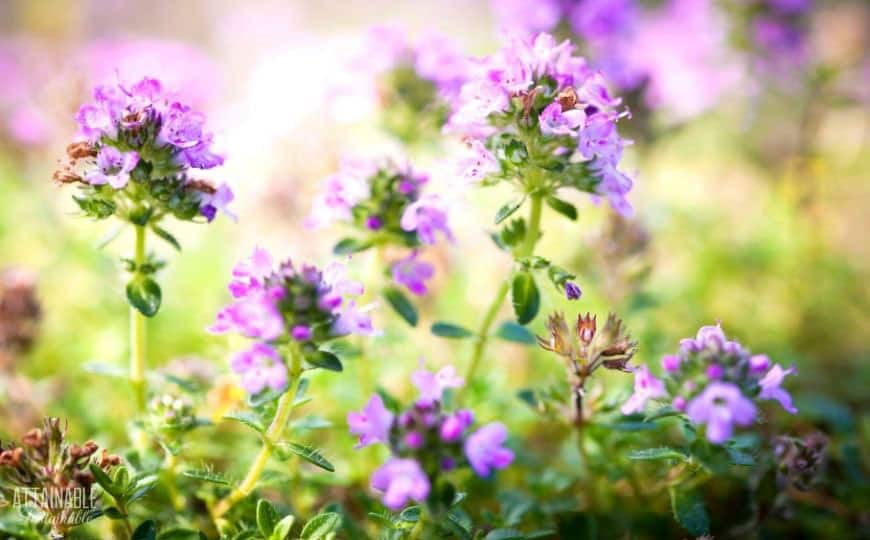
751, 198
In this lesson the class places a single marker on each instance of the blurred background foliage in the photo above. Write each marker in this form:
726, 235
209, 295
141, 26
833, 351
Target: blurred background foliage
753, 213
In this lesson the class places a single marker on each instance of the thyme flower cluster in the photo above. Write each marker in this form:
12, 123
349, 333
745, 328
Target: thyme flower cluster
426, 440
283, 304
536, 114
715, 381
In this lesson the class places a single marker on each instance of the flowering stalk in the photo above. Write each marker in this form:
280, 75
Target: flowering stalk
270, 439
137, 333
526, 250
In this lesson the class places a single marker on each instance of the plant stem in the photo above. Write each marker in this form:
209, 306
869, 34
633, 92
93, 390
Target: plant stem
270, 439
526, 249
137, 333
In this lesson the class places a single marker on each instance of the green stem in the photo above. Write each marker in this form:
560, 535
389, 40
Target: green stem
526, 249
271, 438
137, 333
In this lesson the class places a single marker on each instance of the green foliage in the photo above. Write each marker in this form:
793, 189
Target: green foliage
401, 305
525, 297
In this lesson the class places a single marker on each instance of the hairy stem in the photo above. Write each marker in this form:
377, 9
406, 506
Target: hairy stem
137, 333
526, 249
271, 438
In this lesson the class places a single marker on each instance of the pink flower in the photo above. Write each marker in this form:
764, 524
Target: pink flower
113, 167
259, 367
372, 424
646, 387
485, 449
255, 315
413, 273
401, 480
555, 122
721, 406
432, 385
477, 162
771, 387
427, 216
454, 425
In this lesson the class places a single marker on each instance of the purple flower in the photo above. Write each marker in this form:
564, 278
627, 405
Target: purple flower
572, 291
372, 424
555, 122
113, 167
477, 162
340, 193
602, 21
336, 280
432, 385
438, 60
679, 404
454, 425
301, 332
714, 371
414, 440
759, 363
771, 387
401, 480
201, 156
413, 273
353, 320
427, 216
255, 315
646, 387
671, 363
252, 273
721, 406
710, 336
182, 126
485, 449
259, 367
210, 203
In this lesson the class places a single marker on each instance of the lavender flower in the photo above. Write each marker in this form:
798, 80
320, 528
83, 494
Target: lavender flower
771, 387
413, 273
259, 367
142, 132
425, 440
427, 216
572, 291
732, 380
721, 406
401, 480
432, 385
646, 387
537, 80
372, 424
113, 167
485, 449
272, 304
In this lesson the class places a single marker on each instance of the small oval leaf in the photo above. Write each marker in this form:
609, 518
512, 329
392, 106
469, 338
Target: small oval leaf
308, 453
144, 294
563, 207
400, 303
689, 511
325, 360
526, 297
511, 331
507, 210
451, 331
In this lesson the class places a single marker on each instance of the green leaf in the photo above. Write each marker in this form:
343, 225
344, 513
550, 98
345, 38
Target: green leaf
504, 534
282, 528
140, 216
526, 297
347, 246
511, 331
516, 152
453, 524
410, 514
309, 454
105, 482
662, 412
144, 294
321, 525
400, 303
267, 517
563, 207
325, 360
113, 513
179, 533
146, 531
451, 331
207, 476
166, 235
689, 511
662, 452
739, 457
95, 207
508, 209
